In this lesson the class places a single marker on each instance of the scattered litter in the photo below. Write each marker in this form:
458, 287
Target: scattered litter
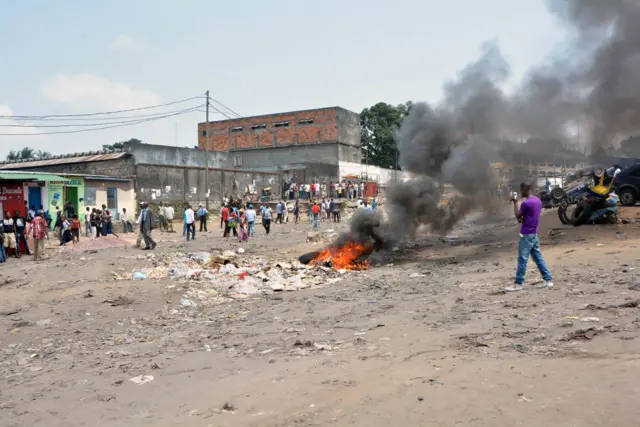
240, 250
138, 275
142, 379
187, 302
228, 407
590, 319
582, 334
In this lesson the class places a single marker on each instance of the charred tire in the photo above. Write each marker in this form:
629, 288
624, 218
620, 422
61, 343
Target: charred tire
581, 214
557, 194
628, 197
562, 215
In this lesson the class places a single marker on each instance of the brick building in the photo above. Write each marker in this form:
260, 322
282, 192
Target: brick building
307, 144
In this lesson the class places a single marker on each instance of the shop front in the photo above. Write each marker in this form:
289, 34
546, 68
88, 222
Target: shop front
12, 198
61, 192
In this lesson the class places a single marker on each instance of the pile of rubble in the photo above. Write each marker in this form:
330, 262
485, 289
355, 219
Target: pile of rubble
210, 278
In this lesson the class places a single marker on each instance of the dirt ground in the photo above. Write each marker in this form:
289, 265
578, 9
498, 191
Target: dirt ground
425, 338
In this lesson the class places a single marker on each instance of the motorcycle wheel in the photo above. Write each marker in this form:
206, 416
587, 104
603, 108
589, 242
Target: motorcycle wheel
581, 214
557, 194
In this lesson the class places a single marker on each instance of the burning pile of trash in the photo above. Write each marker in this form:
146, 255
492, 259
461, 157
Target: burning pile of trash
210, 278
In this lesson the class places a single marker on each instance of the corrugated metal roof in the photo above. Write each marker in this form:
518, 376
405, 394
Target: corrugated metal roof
30, 176
62, 160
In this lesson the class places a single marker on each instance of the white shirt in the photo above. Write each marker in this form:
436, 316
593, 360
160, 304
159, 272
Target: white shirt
169, 212
250, 215
190, 216
307, 188
124, 217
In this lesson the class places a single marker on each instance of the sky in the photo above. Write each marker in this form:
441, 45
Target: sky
69, 57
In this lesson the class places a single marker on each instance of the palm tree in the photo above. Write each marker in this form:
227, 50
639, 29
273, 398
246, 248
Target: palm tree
27, 153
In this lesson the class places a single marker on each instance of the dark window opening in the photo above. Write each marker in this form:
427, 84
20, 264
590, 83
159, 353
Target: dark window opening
254, 127
236, 129
305, 121
281, 124
204, 133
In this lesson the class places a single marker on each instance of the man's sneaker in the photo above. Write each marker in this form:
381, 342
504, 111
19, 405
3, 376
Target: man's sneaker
547, 284
513, 288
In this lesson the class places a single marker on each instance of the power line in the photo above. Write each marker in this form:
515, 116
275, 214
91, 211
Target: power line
224, 106
136, 118
102, 113
80, 119
113, 125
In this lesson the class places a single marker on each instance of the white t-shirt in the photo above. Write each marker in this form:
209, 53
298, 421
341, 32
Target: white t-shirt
250, 215
169, 212
190, 216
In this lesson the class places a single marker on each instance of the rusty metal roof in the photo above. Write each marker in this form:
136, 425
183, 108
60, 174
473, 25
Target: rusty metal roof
64, 159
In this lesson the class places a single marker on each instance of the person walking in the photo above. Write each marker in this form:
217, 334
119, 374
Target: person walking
266, 218
250, 216
147, 224
39, 233
190, 222
203, 214
315, 209
169, 212
528, 214
279, 212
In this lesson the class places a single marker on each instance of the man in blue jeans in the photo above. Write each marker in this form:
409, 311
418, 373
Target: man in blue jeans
529, 215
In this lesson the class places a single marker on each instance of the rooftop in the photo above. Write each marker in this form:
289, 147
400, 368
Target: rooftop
311, 110
89, 156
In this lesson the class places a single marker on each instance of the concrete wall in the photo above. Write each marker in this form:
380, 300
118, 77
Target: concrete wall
348, 127
179, 184
384, 177
126, 196
122, 168
180, 156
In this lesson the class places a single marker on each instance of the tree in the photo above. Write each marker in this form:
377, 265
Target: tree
27, 153
120, 145
378, 124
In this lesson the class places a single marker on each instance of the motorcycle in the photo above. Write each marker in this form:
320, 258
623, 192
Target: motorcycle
592, 198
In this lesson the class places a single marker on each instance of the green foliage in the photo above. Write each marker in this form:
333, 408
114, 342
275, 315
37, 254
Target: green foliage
120, 145
378, 124
27, 153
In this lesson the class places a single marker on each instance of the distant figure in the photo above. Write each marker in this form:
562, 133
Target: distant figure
202, 214
190, 221
250, 216
529, 215
147, 224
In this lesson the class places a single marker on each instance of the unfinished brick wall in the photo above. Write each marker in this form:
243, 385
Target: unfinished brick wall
273, 130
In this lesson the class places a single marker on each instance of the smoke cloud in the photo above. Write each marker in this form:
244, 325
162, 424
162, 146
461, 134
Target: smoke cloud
596, 81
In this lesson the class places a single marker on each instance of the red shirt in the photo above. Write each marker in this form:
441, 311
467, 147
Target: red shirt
315, 209
37, 226
225, 214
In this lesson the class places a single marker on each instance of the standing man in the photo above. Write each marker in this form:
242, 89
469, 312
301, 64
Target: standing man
250, 216
10, 235
147, 224
529, 216
203, 213
316, 212
169, 212
38, 230
20, 223
266, 218
279, 212
190, 221
106, 219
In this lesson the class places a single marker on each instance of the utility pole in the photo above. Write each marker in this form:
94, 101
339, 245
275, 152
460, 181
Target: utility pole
206, 140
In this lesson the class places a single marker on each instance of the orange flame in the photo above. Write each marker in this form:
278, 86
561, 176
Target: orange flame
345, 256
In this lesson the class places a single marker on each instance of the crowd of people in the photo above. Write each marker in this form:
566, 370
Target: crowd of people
349, 190
16, 229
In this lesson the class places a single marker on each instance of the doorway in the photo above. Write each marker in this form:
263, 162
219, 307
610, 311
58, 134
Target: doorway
35, 197
71, 195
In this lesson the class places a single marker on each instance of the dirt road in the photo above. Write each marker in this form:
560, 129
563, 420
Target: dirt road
425, 338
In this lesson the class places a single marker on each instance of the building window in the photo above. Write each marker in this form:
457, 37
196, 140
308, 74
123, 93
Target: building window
89, 196
256, 127
112, 200
237, 161
305, 121
236, 129
281, 124
204, 133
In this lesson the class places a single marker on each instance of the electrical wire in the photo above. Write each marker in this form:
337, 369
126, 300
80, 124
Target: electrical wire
100, 114
93, 119
224, 106
113, 125
186, 110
